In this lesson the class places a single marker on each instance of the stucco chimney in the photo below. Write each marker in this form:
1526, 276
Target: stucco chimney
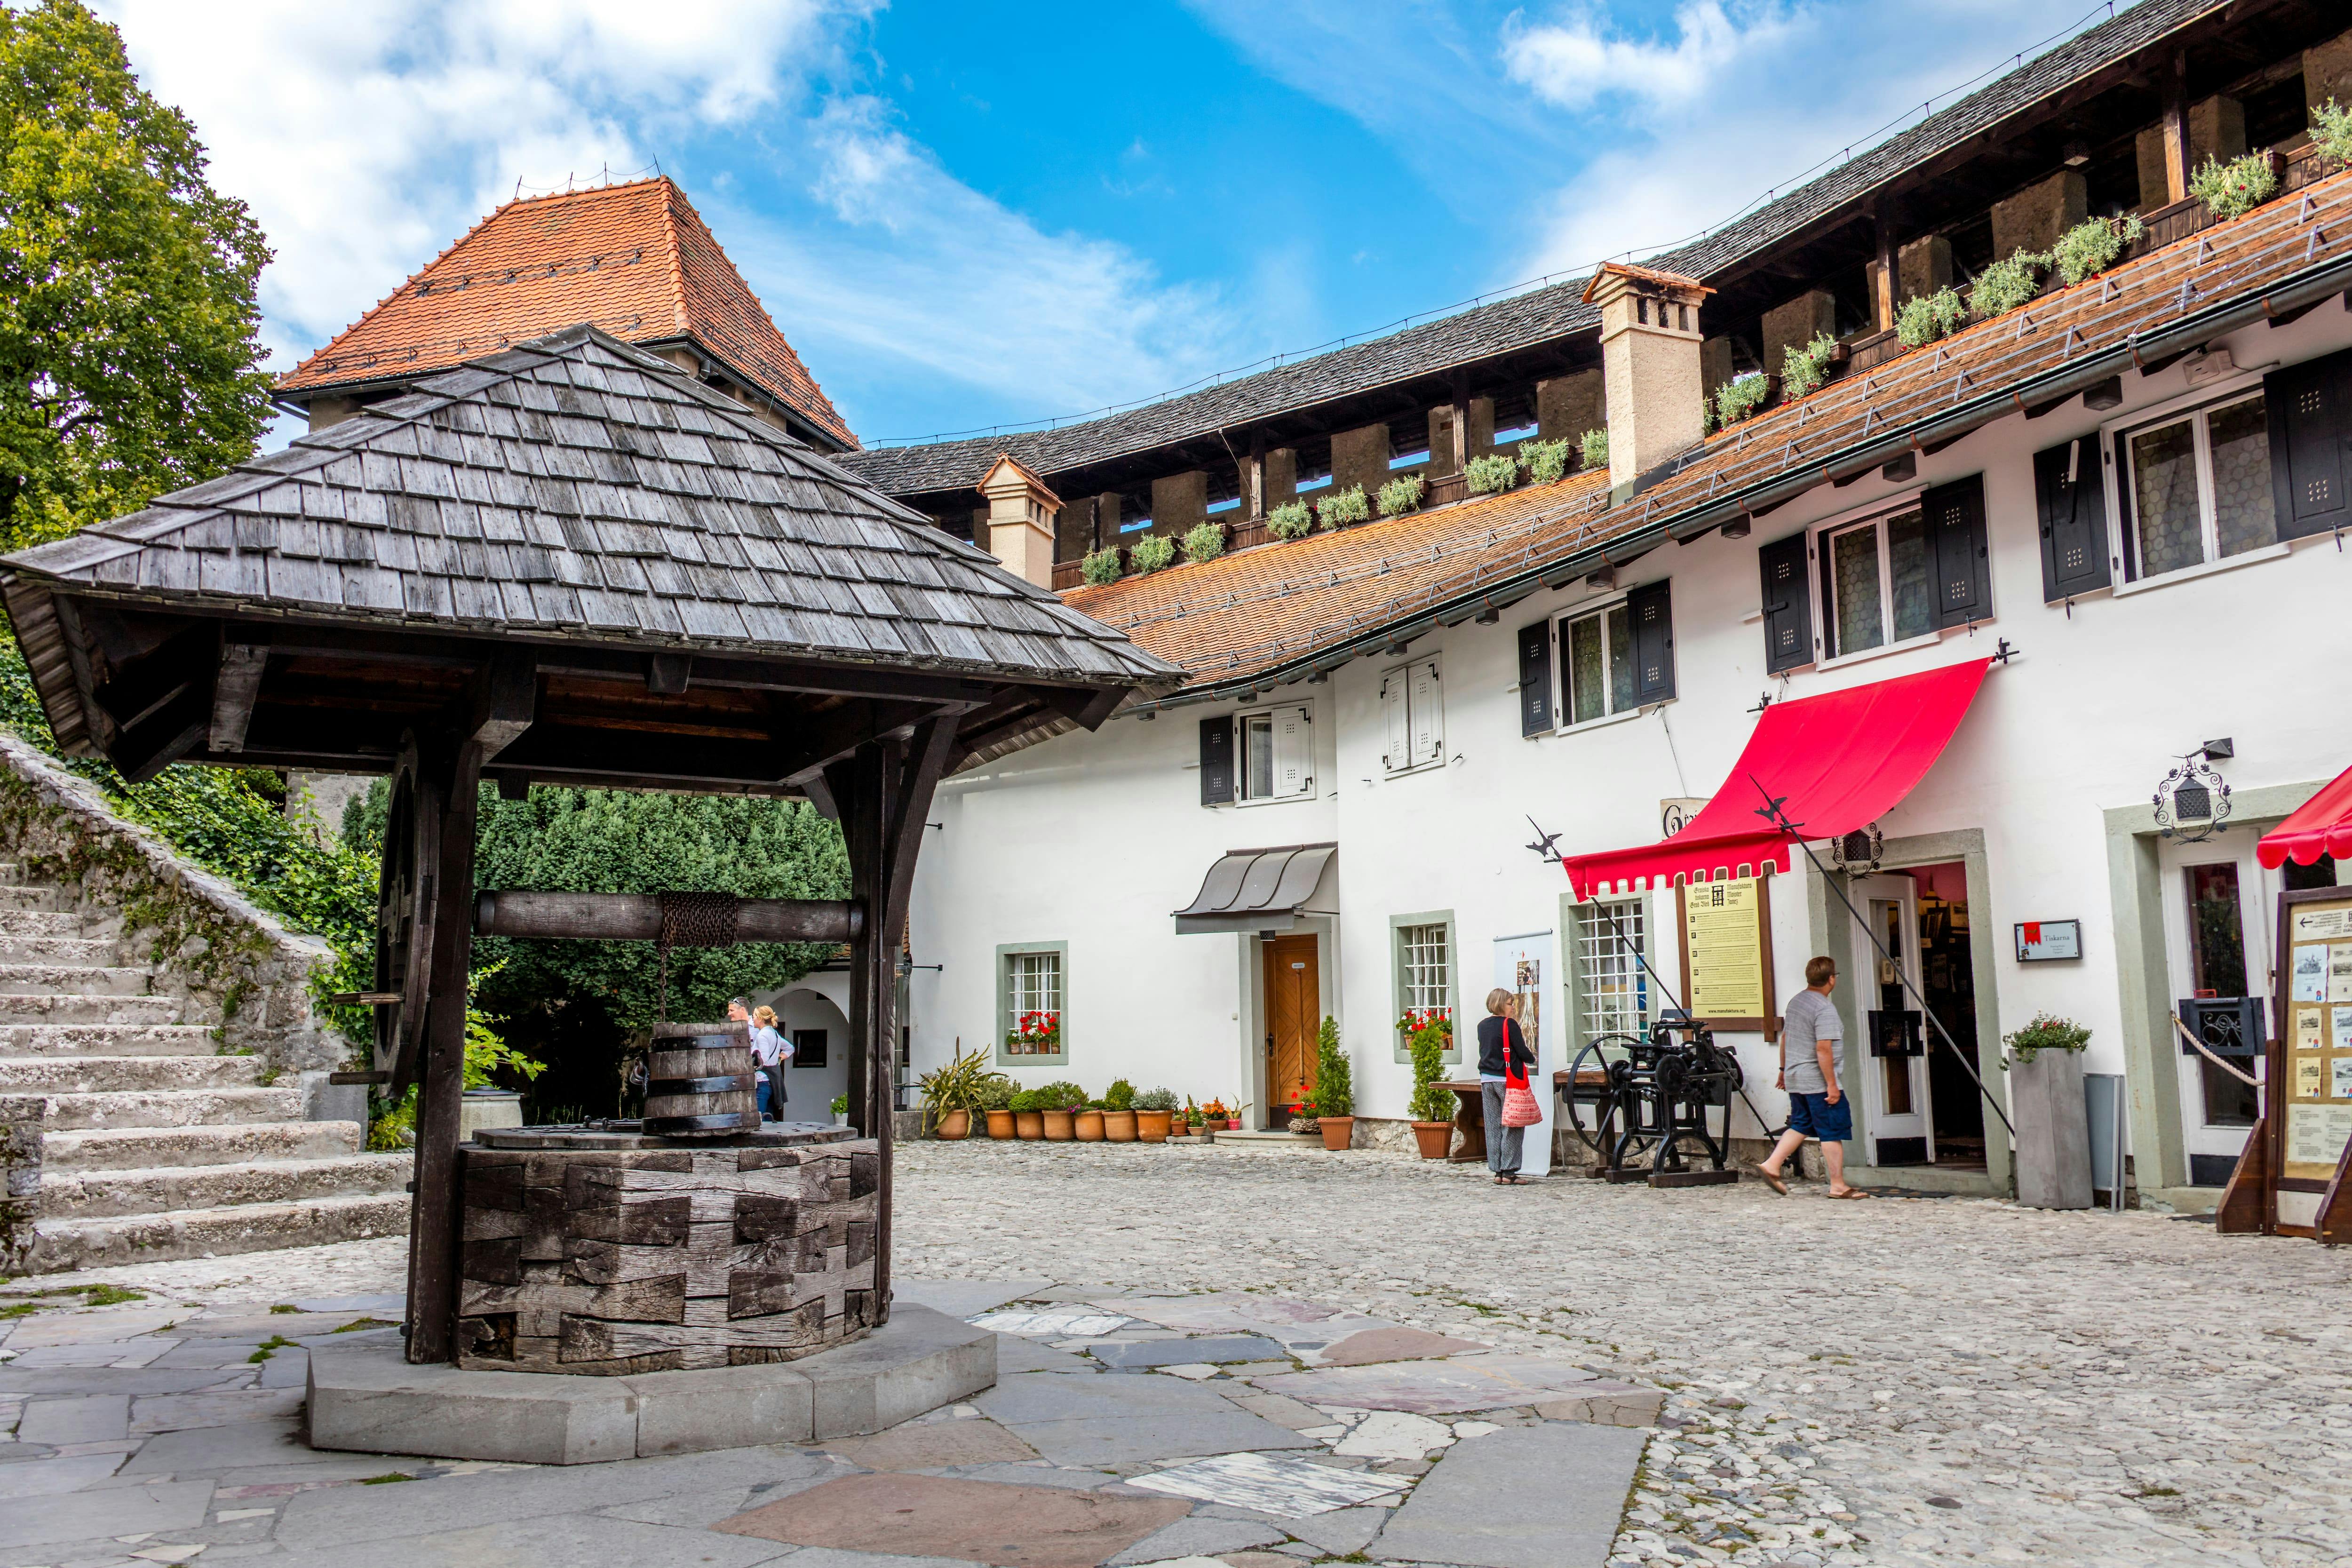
1021, 512
1650, 364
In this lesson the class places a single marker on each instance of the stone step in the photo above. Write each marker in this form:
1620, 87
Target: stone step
214, 1232
14, 921
229, 1143
112, 1075
47, 899
54, 1041
106, 1195
183, 1108
41, 950
72, 980
52, 1008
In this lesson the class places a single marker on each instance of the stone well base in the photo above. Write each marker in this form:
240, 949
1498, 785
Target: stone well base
368, 1399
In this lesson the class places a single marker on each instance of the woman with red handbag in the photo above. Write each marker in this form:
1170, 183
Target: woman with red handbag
1504, 1060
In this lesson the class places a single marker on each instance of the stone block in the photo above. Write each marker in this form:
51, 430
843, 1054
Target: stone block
92, 1418
917, 1361
1923, 266
1569, 406
1074, 529
1615, 1405
1361, 457
904, 1516
1186, 1352
1715, 366
106, 1512
1179, 502
1281, 482
2035, 216
2217, 128
721, 1407
1525, 1496
374, 1402
1796, 323
2328, 71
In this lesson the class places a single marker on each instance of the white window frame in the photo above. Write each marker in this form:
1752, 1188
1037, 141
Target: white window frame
1013, 958
1563, 706
1597, 943
2198, 402
1397, 684
1816, 556
1305, 789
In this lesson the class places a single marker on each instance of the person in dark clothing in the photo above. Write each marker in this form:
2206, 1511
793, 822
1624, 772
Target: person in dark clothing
1503, 1054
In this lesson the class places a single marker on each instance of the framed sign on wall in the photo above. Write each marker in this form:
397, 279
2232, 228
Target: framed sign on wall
1725, 930
2038, 941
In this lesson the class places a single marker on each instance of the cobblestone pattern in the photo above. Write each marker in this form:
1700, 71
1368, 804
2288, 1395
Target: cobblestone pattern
1912, 1381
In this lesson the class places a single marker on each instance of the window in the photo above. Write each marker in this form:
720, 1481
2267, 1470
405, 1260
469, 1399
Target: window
2217, 964
1408, 459
1885, 580
1598, 650
1425, 967
809, 1047
1878, 582
1277, 759
1516, 433
1413, 716
2195, 488
1032, 1022
1613, 991
1613, 659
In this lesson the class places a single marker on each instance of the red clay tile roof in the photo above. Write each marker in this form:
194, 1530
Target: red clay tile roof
634, 260
1277, 610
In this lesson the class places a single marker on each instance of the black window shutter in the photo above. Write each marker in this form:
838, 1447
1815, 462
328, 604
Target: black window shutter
2073, 495
1788, 605
2311, 422
1217, 761
1535, 678
1653, 642
1955, 523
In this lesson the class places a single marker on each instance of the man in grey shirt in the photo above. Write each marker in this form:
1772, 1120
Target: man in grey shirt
1811, 1034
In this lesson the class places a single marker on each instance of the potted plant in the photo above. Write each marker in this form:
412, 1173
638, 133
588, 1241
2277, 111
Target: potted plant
1035, 1034
1059, 1101
2046, 1094
1303, 1117
1028, 1115
1087, 1124
1153, 1108
1429, 1033
950, 1093
1335, 1088
841, 1111
996, 1099
1119, 1113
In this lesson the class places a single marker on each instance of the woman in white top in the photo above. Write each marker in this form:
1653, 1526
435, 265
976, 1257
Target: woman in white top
770, 1050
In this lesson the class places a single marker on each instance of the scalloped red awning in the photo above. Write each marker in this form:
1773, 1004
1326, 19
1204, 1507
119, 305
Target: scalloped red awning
1838, 762
2320, 825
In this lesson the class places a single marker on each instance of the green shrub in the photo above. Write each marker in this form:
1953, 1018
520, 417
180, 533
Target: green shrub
1335, 1079
2331, 131
1156, 1099
1121, 1095
2003, 286
1349, 505
1204, 541
2237, 187
1291, 520
1546, 461
1153, 551
1100, 566
1592, 448
1802, 370
1402, 494
841, 1105
1024, 1100
1060, 1095
1924, 318
1429, 1035
2090, 247
1492, 474
2048, 1032
994, 1092
1736, 400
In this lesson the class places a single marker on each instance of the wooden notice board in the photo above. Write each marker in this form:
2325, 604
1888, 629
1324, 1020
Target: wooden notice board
1724, 929
2308, 1116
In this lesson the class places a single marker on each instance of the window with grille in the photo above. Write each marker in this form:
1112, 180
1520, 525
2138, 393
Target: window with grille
1033, 989
2196, 488
1612, 990
1425, 963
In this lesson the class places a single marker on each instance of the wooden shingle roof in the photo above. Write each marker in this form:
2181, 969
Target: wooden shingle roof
578, 489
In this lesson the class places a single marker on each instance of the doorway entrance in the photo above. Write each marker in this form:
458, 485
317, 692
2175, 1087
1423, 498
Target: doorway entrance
2218, 945
1921, 1104
1294, 1011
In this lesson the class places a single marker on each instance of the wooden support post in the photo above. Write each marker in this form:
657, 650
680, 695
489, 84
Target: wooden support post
2245, 1209
1888, 286
2176, 128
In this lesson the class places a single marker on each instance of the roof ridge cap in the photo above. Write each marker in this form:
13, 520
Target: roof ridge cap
670, 203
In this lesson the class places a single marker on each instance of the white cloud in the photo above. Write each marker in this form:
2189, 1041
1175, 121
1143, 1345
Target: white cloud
1575, 63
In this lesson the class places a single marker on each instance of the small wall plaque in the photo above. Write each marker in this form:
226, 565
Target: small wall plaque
2041, 940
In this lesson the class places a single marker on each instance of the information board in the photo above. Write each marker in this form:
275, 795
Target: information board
1726, 950
2314, 1092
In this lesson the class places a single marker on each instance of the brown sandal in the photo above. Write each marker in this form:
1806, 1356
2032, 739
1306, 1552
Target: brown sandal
1773, 1181
1850, 1192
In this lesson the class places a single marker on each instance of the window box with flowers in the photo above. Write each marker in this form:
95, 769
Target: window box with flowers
1032, 980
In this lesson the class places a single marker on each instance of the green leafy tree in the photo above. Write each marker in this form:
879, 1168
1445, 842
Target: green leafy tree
129, 363
1334, 1078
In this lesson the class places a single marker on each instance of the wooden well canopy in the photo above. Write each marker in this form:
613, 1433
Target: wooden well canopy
566, 563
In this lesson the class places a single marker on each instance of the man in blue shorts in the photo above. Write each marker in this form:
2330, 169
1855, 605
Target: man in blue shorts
1811, 1034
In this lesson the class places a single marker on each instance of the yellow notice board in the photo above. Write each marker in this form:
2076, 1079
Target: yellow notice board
1726, 950
2315, 1093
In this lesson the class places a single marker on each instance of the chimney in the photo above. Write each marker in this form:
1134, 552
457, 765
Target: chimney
1021, 512
1649, 363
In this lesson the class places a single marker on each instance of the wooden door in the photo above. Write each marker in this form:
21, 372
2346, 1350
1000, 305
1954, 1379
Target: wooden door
1294, 1010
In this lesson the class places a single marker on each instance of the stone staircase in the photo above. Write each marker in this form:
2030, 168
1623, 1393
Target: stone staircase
153, 1145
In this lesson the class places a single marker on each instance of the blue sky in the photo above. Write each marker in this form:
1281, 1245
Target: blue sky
964, 215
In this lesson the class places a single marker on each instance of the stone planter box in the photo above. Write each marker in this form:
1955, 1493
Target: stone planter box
2053, 1133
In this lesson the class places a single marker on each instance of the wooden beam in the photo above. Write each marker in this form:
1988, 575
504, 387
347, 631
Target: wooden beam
2176, 127
140, 688
809, 748
165, 736
235, 689
638, 917
669, 674
501, 703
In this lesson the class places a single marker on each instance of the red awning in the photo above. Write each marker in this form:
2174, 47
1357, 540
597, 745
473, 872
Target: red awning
1838, 761
2320, 825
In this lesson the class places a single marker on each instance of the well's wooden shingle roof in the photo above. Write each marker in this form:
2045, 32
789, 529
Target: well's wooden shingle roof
634, 260
1273, 611
1524, 319
578, 488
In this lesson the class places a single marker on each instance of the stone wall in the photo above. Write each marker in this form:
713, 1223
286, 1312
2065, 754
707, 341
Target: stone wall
233, 964
20, 1178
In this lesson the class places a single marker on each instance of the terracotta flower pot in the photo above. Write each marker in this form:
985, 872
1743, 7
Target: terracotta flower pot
1088, 1126
1435, 1138
954, 1124
1118, 1126
1000, 1124
1057, 1126
1339, 1132
1029, 1124
1151, 1126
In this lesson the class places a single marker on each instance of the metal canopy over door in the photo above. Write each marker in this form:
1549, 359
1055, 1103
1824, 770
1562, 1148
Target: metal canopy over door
1294, 1010
1892, 1063
2217, 941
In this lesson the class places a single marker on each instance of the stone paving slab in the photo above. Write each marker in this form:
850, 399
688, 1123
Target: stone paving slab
1367, 1346
250, 1453
89, 1515
1437, 1387
1106, 1419
64, 1473
573, 1540
934, 1445
977, 1522
1198, 1537
1015, 1353
1207, 1351
1524, 1497
65, 1418
963, 1298
1270, 1483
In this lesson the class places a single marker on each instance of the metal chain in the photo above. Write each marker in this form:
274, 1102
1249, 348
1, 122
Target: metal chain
691, 919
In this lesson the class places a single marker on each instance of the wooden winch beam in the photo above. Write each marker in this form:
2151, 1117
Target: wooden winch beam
638, 917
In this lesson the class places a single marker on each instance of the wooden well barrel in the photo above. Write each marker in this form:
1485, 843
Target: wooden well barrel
701, 1080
